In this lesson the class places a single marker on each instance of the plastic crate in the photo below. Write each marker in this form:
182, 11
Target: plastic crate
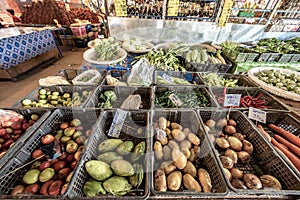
243, 81
23, 156
133, 121
183, 90
235, 56
263, 157
70, 74
271, 101
205, 160
287, 122
43, 114
122, 92
34, 95
192, 77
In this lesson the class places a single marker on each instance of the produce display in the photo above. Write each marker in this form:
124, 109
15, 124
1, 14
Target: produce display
182, 97
174, 81
213, 79
287, 82
106, 49
110, 80
54, 160
237, 156
275, 45
106, 99
12, 126
47, 98
136, 45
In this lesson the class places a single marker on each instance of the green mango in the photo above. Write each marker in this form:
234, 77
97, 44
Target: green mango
122, 168
93, 188
108, 157
125, 148
32, 176
138, 151
109, 145
98, 170
117, 185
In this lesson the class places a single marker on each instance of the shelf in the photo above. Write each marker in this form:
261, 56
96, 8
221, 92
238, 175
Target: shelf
253, 10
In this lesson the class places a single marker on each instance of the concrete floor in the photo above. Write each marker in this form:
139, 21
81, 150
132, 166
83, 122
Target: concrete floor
11, 92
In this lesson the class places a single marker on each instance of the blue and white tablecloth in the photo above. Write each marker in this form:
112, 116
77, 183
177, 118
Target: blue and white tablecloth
17, 49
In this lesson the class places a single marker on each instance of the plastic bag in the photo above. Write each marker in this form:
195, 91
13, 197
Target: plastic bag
141, 73
53, 80
7, 117
89, 77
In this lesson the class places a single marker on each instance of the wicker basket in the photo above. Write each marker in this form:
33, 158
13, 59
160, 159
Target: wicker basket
132, 121
206, 158
274, 90
264, 158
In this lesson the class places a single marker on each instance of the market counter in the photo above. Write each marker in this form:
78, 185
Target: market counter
20, 53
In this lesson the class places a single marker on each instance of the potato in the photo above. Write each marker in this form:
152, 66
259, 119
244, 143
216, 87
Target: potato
178, 135
190, 169
186, 131
230, 130
160, 181
252, 181
176, 126
158, 150
190, 183
167, 152
179, 159
186, 152
185, 144
163, 139
173, 145
162, 123
210, 123
221, 123
168, 124
205, 180
195, 153
169, 134
194, 139
168, 167
174, 180
227, 173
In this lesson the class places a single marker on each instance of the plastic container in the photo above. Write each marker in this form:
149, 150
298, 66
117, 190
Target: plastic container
8, 179
43, 115
183, 90
206, 158
271, 101
132, 122
263, 159
34, 95
122, 92
192, 77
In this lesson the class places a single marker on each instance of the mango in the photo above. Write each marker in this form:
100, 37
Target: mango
109, 145
93, 188
122, 168
31, 177
46, 175
98, 170
125, 148
108, 157
117, 185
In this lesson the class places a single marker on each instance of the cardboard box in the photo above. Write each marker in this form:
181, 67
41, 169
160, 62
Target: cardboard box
79, 31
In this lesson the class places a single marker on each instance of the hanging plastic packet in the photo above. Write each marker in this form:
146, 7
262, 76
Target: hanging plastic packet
141, 73
52, 150
8, 117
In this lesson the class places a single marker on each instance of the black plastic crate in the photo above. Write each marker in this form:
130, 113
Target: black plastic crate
211, 102
23, 156
287, 122
192, 77
205, 160
71, 89
134, 120
122, 92
242, 81
271, 102
43, 114
264, 158
70, 74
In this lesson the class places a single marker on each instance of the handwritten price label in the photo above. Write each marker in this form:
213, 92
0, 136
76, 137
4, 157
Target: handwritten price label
258, 115
117, 123
175, 100
167, 78
232, 99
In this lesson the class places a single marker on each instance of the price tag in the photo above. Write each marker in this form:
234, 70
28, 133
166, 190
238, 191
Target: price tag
175, 100
117, 123
121, 8
258, 115
173, 6
67, 6
226, 10
167, 78
232, 99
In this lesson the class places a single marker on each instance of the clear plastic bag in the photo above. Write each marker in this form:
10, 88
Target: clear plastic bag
53, 80
141, 73
8, 117
89, 77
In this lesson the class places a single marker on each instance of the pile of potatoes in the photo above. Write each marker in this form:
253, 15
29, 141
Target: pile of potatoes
177, 150
51, 175
235, 151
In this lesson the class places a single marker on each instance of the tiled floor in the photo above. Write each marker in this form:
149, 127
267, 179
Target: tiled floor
11, 92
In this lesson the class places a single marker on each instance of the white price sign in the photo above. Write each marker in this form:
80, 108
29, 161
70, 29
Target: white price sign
167, 78
257, 114
232, 99
117, 123
175, 100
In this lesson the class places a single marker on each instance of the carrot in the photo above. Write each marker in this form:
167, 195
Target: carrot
291, 137
280, 152
289, 145
264, 132
294, 159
